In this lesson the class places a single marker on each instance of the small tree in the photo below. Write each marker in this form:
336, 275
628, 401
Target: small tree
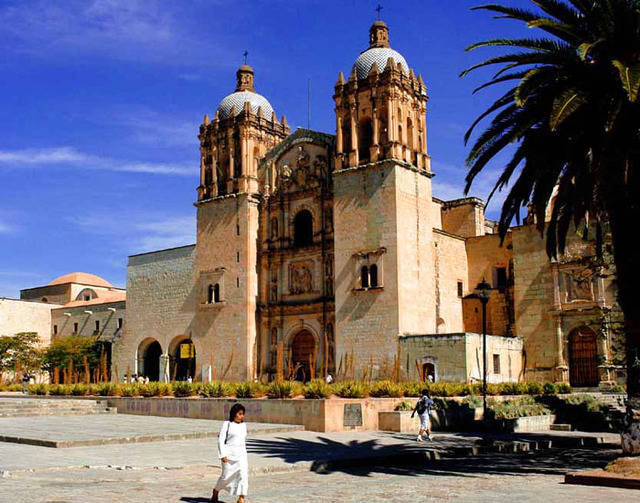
69, 353
20, 351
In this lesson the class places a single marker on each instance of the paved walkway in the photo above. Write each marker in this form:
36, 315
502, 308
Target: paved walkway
76, 431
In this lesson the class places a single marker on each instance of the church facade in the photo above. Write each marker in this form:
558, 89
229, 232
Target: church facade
324, 252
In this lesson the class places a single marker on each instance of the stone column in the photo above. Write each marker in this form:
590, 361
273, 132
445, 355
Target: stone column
339, 145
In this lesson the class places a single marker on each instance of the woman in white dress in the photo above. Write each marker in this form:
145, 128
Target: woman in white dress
232, 451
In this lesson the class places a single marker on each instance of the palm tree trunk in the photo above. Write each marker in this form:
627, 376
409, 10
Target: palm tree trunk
624, 223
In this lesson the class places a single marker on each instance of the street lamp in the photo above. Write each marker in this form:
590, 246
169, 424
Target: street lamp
482, 291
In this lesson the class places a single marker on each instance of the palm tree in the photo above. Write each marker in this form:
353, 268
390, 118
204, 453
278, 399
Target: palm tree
572, 117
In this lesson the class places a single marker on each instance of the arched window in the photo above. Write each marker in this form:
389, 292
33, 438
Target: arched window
346, 137
400, 139
274, 228
216, 292
303, 229
373, 276
364, 277
210, 294
409, 133
365, 139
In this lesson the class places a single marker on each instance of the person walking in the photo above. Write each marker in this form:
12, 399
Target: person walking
423, 408
26, 379
232, 451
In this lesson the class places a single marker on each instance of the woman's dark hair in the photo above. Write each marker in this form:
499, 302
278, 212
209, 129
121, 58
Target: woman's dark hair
234, 410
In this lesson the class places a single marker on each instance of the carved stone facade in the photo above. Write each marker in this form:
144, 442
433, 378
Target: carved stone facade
327, 249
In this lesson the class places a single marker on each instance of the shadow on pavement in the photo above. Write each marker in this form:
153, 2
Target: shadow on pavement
362, 458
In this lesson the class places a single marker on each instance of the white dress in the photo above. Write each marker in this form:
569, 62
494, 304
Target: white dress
232, 445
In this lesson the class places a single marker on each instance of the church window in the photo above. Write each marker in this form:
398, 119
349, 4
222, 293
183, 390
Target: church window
75, 328
238, 257
97, 325
55, 329
216, 292
460, 289
210, 294
364, 277
409, 133
120, 322
400, 139
274, 228
346, 138
496, 364
373, 276
237, 230
365, 139
237, 282
500, 277
303, 229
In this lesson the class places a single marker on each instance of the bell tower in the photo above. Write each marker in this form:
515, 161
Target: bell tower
383, 208
244, 128
380, 110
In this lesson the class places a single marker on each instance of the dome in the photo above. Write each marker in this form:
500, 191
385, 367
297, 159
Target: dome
380, 56
239, 98
81, 278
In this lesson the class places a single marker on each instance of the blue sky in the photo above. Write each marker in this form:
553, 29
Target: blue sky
100, 102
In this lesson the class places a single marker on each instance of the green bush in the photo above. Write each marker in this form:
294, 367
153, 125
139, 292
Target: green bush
130, 389
183, 389
107, 389
522, 407
549, 388
216, 389
534, 388
60, 390
316, 389
250, 390
404, 406
156, 389
386, 389
412, 389
351, 389
616, 389
284, 389
38, 389
474, 401
80, 389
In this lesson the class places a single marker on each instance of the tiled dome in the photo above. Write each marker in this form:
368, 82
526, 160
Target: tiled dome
380, 55
239, 98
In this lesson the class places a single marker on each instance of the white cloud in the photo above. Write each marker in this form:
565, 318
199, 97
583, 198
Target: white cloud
142, 233
71, 157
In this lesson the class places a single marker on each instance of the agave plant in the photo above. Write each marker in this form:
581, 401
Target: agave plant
572, 111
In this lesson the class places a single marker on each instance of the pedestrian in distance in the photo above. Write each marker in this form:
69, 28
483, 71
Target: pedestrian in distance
26, 379
423, 408
232, 451
329, 378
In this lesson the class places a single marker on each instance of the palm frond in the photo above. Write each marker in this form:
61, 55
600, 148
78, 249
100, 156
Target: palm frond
630, 78
568, 103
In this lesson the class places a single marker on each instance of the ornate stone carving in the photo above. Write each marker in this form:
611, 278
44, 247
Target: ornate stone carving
300, 278
578, 285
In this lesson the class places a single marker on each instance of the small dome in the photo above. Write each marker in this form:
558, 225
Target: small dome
81, 278
239, 98
380, 55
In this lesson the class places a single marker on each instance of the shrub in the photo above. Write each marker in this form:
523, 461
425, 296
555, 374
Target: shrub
534, 388
60, 390
250, 390
107, 389
404, 406
284, 389
183, 389
80, 389
473, 401
549, 388
130, 389
216, 389
316, 389
616, 389
562, 388
156, 389
412, 389
387, 389
522, 407
351, 389
38, 389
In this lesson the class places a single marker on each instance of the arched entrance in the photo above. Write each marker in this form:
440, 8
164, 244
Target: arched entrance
583, 358
303, 349
428, 372
149, 353
183, 359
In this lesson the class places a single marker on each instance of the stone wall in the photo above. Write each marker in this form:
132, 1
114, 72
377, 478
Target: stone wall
450, 268
161, 303
463, 217
23, 316
64, 320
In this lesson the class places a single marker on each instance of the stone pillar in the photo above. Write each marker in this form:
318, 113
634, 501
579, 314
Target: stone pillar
339, 146
165, 368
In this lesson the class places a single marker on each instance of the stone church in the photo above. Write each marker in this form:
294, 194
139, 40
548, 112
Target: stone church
330, 252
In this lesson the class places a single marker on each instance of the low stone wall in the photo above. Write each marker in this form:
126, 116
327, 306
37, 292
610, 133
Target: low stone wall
336, 414
525, 424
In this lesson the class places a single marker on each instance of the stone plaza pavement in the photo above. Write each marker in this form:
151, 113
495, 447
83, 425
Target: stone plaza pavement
289, 466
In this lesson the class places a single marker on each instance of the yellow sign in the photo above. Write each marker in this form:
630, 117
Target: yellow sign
187, 351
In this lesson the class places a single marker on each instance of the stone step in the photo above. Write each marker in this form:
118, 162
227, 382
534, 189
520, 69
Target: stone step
560, 427
70, 412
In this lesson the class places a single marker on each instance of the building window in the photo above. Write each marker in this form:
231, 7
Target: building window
75, 328
238, 282
120, 320
460, 289
365, 139
55, 329
364, 277
496, 364
237, 230
303, 229
97, 325
373, 276
238, 257
501, 277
